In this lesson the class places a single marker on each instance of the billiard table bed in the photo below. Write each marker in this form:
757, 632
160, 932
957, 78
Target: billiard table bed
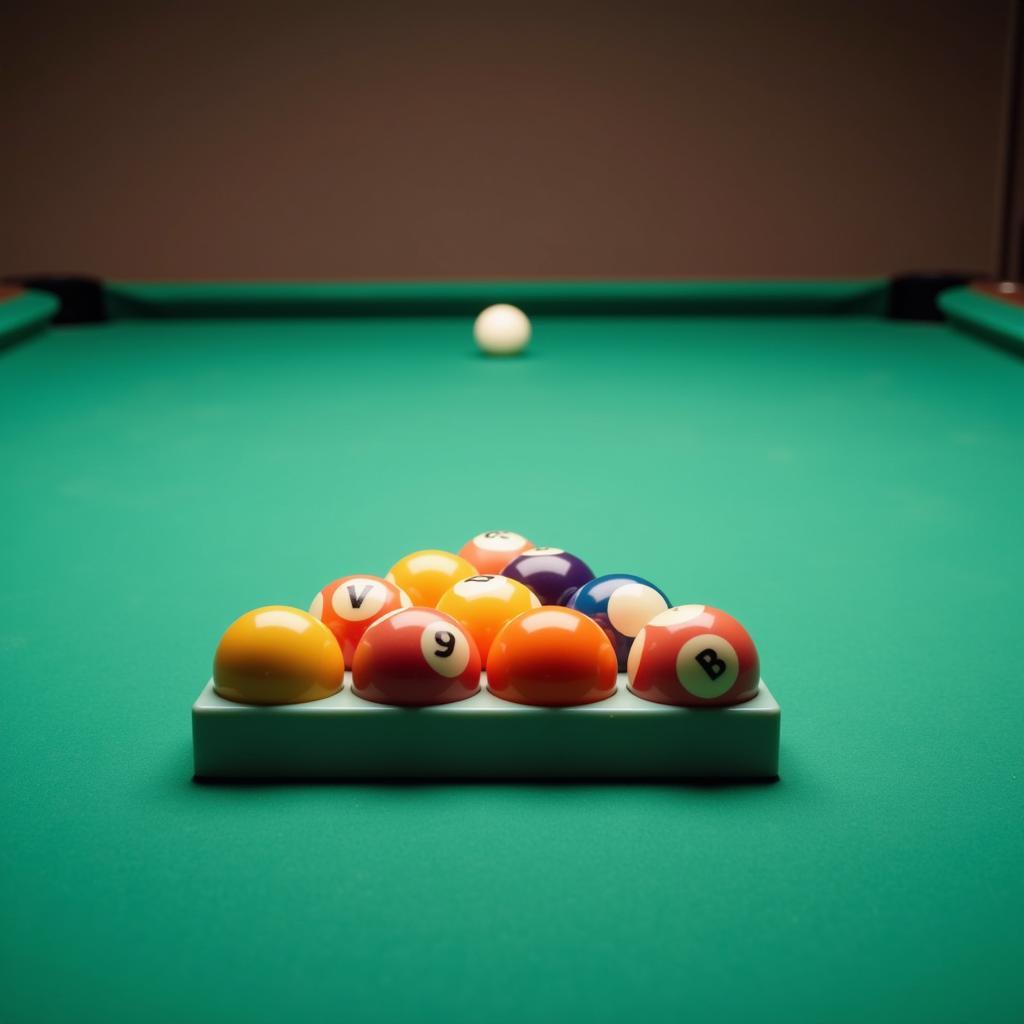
846, 482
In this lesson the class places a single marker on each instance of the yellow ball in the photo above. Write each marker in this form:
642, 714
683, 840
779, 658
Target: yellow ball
277, 655
483, 604
426, 575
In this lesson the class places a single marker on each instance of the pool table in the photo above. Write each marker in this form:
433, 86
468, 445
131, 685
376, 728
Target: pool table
846, 483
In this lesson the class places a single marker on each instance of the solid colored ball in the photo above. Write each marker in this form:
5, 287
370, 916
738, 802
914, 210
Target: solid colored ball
492, 551
426, 575
551, 573
695, 656
553, 657
416, 656
277, 655
483, 604
621, 605
502, 330
348, 606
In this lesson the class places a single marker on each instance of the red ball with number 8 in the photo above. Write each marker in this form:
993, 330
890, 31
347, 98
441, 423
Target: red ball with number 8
694, 656
415, 657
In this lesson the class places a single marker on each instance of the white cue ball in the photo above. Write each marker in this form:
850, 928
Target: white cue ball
502, 330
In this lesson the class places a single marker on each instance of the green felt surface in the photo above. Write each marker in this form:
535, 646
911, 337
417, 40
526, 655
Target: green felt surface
849, 487
23, 315
994, 320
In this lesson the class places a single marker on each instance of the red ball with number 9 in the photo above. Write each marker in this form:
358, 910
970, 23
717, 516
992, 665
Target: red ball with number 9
415, 657
694, 656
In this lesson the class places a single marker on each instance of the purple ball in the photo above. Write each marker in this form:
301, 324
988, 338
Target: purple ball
551, 573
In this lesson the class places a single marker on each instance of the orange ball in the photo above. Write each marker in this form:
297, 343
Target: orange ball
554, 657
426, 575
277, 655
483, 604
349, 605
490, 552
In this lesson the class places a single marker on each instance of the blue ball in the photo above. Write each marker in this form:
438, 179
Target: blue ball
621, 605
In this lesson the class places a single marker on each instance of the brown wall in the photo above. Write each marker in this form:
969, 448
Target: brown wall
1012, 247
333, 140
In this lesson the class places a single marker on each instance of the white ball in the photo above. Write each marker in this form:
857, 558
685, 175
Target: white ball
502, 330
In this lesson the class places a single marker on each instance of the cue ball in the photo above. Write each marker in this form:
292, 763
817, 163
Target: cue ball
502, 330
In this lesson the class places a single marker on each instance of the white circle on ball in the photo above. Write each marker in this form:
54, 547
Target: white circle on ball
445, 648
678, 615
502, 329
543, 551
707, 666
316, 609
489, 586
499, 540
635, 653
359, 599
632, 606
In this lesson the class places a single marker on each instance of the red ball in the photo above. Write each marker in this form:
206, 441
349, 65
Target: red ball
694, 656
416, 656
349, 606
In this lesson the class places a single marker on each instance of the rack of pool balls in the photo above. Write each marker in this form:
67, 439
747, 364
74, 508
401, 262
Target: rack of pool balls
503, 660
